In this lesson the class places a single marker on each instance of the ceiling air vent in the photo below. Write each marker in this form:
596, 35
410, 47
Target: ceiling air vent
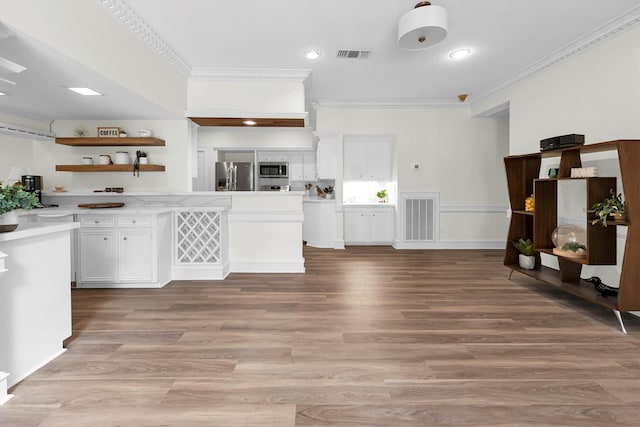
353, 54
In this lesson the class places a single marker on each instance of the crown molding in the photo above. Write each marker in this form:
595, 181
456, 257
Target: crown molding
424, 103
121, 10
616, 26
245, 74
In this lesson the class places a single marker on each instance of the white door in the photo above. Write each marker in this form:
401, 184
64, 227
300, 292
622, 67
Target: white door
355, 159
381, 226
355, 226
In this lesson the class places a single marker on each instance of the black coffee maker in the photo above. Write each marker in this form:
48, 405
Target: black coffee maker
33, 184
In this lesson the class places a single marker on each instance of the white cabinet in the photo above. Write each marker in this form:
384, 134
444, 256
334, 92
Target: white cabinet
326, 157
367, 158
319, 228
273, 156
368, 225
118, 251
302, 166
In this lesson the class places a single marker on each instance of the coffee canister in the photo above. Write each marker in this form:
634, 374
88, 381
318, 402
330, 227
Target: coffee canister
87, 160
122, 158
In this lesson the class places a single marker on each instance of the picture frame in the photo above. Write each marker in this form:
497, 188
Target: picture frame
108, 132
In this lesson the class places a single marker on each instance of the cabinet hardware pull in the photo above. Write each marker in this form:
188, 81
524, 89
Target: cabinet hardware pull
133, 221
106, 238
125, 238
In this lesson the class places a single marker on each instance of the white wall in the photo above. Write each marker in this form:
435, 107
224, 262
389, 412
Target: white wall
232, 138
460, 158
595, 93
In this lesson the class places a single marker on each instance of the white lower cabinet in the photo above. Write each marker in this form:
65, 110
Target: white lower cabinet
368, 225
118, 251
319, 229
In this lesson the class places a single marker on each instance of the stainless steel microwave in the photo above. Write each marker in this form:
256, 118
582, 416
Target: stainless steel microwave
273, 169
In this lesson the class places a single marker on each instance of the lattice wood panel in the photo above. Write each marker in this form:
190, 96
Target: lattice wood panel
198, 237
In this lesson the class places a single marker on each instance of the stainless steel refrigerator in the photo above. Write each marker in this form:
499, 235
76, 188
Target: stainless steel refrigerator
234, 176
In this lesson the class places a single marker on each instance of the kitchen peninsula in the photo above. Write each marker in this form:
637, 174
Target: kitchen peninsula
181, 236
35, 298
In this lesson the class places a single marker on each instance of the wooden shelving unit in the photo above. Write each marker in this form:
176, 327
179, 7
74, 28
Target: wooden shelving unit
111, 142
108, 168
522, 181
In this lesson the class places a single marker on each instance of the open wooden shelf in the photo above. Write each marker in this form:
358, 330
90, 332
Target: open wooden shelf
108, 168
523, 172
111, 142
581, 288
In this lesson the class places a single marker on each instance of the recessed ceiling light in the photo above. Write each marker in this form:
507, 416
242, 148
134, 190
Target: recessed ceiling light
84, 91
2, 94
250, 122
313, 54
11, 66
460, 53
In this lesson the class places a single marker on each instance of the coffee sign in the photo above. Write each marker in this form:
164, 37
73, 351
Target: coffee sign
109, 132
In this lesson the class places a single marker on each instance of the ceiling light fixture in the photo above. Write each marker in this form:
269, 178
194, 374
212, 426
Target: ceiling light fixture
2, 94
422, 27
11, 66
250, 122
460, 53
313, 54
84, 91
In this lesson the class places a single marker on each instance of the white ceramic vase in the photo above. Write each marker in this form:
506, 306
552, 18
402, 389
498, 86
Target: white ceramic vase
8, 221
527, 262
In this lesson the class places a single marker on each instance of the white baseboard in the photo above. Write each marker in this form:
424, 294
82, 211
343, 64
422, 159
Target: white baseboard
267, 266
123, 285
193, 272
4, 396
338, 244
16, 380
451, 244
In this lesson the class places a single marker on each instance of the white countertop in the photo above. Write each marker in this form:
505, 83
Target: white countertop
177, 193
315, 199
37, 229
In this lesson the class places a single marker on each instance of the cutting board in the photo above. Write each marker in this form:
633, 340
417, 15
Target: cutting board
100, 205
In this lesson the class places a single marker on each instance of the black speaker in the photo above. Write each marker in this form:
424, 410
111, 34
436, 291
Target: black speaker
563, 141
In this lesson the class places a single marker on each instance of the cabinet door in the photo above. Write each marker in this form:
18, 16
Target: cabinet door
381, 226
355, 226
379, 160
355, 160
296, 167
326, 155
135, 255
97, 255
309, 166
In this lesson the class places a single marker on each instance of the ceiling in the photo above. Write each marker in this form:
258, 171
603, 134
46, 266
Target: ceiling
507, 38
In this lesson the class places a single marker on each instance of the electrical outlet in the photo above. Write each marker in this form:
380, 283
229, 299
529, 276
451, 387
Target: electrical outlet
415, 166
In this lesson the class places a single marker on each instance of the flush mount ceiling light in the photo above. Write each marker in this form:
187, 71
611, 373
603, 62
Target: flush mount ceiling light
422, 27
250, 122
2, 94
84, 91
460, 53
313, 54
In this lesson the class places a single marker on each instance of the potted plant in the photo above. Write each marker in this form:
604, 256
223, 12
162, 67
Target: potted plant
13, 197
614, 207
526, 259
382, 196
328, 191
141, 159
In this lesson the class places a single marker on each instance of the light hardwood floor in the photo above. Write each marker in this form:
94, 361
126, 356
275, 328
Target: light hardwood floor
367, 337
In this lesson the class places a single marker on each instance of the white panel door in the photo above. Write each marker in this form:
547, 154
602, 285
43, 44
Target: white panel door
379, 160
135, 255
355, 226
355, 160
381, 226
97, 255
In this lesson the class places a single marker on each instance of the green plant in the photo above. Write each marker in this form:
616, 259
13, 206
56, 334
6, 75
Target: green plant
13, 197
573, 247
382, 194
524, 246
610, 207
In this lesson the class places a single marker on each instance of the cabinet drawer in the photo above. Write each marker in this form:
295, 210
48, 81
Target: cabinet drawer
96, 221
134, 220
